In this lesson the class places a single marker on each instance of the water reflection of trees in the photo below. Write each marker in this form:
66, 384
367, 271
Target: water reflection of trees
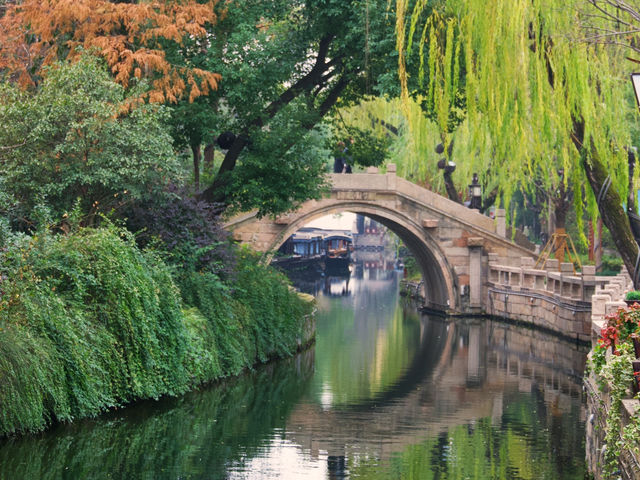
194, 436
438, 399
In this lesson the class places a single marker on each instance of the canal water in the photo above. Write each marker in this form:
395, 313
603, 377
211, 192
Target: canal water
385, 393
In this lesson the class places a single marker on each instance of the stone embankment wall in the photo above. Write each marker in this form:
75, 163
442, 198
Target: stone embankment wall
555, 299
575, 306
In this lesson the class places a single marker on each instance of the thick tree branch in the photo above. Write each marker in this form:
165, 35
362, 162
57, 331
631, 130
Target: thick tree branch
450, 187
610, 204
303, 85
307, 82
216, 192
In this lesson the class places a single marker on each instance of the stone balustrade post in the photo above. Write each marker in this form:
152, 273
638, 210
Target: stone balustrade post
475, 271
551, 266
494, 274
501, 222
566, 270
588, 282
598, 306
625, 279
526, 262
617, 286
528, 281
613, 307
598, 311
391, 176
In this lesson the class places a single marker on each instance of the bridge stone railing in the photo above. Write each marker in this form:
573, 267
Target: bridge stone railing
554, 298
575, 306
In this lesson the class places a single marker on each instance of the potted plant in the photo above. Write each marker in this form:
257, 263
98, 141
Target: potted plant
632, 297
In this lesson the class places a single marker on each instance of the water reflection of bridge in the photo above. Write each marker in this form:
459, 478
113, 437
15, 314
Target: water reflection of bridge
475, 369
344, 282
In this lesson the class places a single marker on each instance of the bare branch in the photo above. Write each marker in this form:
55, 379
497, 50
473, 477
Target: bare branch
11, 147
612, 22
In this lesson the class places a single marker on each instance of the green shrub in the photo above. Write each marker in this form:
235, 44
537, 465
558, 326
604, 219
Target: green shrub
255, 317
275, 310
632, 295
225, 317
88, 322
611, 265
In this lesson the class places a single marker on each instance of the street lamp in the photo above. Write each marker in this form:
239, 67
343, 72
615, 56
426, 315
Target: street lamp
475, 193
635, 79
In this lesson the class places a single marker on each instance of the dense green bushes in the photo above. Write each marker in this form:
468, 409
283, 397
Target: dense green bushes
88, 322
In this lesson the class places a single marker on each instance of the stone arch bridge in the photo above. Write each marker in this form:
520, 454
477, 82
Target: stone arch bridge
450, 242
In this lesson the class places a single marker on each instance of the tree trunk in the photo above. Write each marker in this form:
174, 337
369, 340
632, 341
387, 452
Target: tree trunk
209, 151
195, 149
452, 193
592, 242
561, 238
610, 205
598, 248
631, 198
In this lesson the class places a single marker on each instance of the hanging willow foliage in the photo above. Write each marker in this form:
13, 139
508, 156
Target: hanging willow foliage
411, 150
523, 79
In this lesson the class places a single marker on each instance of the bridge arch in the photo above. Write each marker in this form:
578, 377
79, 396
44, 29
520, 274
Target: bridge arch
451, 243
440, 288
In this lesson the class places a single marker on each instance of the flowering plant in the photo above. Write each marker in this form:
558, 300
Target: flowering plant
620, 327
615, 375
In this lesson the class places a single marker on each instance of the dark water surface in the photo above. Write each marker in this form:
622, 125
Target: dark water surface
385, 394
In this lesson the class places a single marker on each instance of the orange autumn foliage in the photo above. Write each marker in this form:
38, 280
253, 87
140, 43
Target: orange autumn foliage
35, 33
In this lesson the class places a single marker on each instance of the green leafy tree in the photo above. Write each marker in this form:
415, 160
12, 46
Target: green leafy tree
71, 139
284, 67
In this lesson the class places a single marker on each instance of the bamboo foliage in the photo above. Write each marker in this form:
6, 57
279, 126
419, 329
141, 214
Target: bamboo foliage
522, 77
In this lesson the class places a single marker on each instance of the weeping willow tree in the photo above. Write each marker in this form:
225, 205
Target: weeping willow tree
410, 149
542, 112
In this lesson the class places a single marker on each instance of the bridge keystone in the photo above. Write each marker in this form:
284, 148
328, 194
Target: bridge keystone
354, 195
430, 223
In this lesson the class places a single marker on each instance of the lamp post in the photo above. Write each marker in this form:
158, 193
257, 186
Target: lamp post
635, 79
475, 193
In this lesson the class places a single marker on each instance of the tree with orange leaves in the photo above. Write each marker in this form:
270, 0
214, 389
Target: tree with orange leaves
132, 38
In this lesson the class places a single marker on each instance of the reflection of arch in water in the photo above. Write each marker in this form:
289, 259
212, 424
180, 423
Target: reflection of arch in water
435, 340
451, 391
439, 278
